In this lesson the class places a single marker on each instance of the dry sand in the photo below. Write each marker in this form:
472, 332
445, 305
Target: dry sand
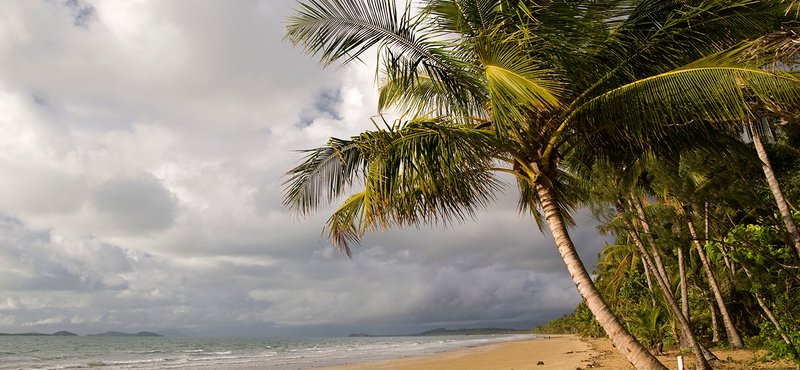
562, 352
729, 360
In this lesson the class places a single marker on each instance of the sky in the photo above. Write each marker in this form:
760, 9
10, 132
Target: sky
143, 150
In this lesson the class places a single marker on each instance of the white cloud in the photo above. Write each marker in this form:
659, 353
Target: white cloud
47, 321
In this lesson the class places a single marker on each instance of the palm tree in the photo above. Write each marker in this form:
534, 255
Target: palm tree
680, 183
528, 88
610, 186
774, 186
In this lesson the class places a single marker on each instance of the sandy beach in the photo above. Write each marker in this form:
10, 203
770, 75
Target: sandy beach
565, 352
561, 352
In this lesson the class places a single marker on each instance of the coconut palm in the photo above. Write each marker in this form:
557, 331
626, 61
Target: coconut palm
527, 88
774, 186
679, 185
610, 186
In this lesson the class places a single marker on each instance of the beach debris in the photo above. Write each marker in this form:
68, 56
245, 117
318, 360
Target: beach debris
570, 352
540, 363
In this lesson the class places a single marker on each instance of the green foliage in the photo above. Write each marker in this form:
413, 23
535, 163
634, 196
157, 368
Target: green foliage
586, 323
748, 248
580, 322
775, 345
649, 325
566, 324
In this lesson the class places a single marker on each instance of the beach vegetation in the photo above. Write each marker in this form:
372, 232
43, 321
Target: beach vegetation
742, 234
560, 97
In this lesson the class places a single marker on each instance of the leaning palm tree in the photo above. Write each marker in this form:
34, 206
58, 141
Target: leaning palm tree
527, 88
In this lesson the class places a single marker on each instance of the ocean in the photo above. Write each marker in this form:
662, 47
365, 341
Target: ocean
44, 352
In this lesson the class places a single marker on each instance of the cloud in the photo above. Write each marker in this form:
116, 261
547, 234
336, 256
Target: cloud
144, 151
135, 206
83, 13
47, 321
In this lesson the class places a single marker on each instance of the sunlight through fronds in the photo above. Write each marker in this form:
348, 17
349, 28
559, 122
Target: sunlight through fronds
685, 96
515, 82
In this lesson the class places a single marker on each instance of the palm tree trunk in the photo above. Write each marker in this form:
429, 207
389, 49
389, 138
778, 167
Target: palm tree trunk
775, 187
725, 258
771, 315
775, 322
626, 343
686, 328
684, 286
721, 247
714, 322
684, 293
649, 281
734, 340
646, 227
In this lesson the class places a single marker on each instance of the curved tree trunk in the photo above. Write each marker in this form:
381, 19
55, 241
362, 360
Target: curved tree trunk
734, 340
775, 188
685, 339
686, 327
646, 228
626, 343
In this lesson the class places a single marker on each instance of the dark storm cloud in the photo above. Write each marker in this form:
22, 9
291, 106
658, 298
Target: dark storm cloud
83, 13
38, 260
135, 206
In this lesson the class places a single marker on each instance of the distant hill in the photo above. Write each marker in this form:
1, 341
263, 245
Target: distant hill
64, 334
118, 334
443, 331
58, 334
478, 331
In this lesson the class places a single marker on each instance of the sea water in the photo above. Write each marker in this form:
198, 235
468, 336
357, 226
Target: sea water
43, 352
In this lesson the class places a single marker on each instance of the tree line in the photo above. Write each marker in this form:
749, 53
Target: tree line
711, 225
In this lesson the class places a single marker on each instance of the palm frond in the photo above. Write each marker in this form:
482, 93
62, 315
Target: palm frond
347, 225
466, 17
641, 48
515, 82
425, 171
346, 28
647, 109
324, 175
422, 94
432, 172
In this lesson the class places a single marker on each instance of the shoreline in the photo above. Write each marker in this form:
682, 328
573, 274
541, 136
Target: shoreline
556, 352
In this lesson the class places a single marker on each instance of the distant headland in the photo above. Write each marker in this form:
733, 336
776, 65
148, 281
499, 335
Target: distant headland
106, 334
119, 334
56, 334
443, 331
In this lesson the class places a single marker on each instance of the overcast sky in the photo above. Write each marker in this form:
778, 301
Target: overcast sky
141, 158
